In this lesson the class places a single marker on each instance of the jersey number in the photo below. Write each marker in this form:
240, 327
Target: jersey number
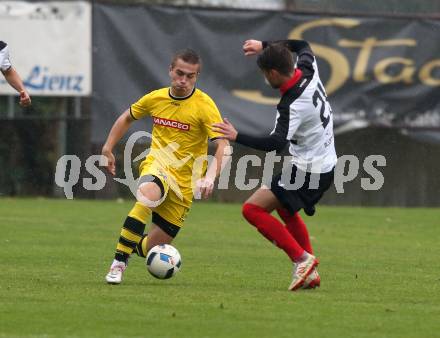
325, 110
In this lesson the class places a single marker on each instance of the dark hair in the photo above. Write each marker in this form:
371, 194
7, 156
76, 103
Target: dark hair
278, 57
187, 55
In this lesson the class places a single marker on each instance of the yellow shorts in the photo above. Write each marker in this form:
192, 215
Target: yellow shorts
177, 201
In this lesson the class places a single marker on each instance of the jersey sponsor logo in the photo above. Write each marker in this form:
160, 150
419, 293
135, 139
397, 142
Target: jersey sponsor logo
171, 123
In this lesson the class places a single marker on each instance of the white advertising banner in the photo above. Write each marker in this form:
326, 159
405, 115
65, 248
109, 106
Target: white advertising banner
50, 45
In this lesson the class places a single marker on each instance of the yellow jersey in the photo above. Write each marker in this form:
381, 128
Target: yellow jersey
181, 129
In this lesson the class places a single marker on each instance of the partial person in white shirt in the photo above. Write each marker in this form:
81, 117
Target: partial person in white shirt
11, 75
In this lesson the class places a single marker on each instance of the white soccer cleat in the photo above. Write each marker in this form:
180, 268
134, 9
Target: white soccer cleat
302, 271
114, 276
312, 281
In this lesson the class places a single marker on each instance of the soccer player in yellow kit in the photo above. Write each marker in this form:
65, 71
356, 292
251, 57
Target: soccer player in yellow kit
182, 119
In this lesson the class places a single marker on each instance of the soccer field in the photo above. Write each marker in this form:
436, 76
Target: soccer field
379, 269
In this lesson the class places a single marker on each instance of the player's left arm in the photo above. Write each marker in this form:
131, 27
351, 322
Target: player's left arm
221, 157
12, 76
15, 81
223, 150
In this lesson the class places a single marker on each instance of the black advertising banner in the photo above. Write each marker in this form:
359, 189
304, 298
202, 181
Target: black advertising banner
376, 70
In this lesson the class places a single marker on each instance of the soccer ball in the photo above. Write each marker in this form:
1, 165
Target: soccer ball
163, 261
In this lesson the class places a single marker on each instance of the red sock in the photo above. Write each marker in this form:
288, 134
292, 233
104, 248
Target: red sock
297, 228
273, 230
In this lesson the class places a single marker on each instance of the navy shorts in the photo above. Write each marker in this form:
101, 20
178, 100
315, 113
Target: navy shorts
301, 190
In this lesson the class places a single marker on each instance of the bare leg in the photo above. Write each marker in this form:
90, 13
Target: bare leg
157, 236
264, 198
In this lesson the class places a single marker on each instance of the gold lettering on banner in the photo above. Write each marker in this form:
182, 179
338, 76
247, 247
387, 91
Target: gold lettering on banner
425, 74
339, 66
366, 48
405, 75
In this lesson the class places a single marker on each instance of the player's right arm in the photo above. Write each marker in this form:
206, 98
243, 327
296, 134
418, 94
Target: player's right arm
118, 130
299, 47
138, 110
253, 47
275, 141
303, 50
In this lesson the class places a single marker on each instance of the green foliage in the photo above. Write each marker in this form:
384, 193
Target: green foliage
379, 270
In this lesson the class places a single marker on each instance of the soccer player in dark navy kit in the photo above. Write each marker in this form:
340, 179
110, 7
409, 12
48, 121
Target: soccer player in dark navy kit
304, 121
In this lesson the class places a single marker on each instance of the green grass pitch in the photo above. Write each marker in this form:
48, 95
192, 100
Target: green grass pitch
379, 266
